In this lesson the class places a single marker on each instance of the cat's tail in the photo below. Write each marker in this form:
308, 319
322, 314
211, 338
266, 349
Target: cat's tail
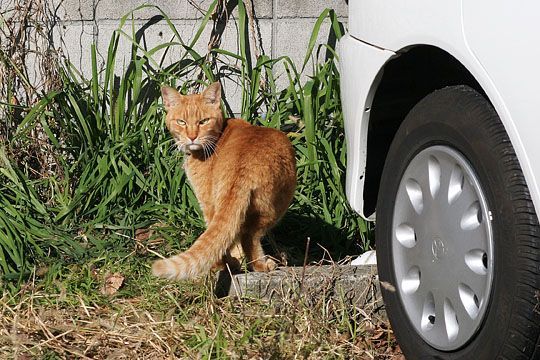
212, 244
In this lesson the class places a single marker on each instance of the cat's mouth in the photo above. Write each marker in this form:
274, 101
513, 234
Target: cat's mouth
192, 147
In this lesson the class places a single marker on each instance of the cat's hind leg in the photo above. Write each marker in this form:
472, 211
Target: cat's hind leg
251, 236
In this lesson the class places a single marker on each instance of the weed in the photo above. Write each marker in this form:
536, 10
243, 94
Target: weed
150, 319
115, 167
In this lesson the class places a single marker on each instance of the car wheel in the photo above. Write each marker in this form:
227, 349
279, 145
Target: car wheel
458, 240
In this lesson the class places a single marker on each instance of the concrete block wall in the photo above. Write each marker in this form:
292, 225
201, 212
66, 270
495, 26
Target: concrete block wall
284, 27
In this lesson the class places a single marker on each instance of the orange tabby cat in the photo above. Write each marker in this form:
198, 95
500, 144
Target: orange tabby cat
244, 177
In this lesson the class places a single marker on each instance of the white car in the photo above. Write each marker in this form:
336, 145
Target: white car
442, 117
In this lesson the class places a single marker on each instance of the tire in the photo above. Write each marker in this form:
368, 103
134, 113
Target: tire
464, 282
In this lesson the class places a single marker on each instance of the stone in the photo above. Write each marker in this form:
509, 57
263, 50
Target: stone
302, 29
354, 285
72, 10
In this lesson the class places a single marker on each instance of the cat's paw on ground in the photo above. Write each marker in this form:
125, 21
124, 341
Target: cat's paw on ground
264, 265
271, 265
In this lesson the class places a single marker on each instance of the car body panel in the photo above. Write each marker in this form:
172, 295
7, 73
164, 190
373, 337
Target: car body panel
396, 24
472, 32
358, 99
504, 43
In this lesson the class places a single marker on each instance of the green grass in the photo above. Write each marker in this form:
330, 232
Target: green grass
112, 168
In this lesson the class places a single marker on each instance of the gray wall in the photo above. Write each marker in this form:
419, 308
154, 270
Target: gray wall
283, 27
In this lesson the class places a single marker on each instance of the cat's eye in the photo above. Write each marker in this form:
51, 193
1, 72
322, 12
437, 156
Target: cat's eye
204, 121
181, 122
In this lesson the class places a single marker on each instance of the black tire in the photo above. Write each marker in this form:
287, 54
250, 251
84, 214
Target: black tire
462, 119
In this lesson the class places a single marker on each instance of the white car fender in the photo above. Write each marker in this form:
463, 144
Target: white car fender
450, 30
358, 90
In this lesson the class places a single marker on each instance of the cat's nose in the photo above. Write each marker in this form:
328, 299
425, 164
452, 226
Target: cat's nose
192, 137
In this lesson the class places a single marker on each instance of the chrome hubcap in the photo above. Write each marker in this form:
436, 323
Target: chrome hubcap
442, 247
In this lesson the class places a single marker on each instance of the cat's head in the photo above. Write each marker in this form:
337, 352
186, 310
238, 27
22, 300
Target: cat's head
195, 121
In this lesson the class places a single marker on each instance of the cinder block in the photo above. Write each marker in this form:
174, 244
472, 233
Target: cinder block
296, 49
174, 9
154, 34
74, 40
150, 36
353, 285
309, 8
72, 10
263, 9
70, 41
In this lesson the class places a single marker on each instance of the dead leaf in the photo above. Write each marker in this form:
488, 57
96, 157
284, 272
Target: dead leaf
378, 335
112, 284
148, 237
143, 234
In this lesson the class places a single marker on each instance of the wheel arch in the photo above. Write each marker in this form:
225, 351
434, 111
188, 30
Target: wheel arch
404, 80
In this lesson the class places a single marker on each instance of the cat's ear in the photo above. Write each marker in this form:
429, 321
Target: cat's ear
171, 97
212, 94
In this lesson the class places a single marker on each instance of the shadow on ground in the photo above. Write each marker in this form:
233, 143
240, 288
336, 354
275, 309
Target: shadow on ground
288, 241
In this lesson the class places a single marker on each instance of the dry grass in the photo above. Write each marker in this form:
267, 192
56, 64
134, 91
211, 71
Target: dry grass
158, 320
93, 297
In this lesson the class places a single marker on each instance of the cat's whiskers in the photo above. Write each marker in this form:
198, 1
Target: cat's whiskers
213, 146
207, 149
179, 144
209, 143
206, 152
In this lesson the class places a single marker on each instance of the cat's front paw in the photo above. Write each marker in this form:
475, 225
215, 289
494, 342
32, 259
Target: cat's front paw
264, 265
271, 265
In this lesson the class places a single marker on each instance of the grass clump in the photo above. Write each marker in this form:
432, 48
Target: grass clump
149, 319
111, 165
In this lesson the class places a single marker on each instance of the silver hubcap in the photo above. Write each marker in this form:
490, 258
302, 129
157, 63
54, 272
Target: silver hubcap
442, 247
